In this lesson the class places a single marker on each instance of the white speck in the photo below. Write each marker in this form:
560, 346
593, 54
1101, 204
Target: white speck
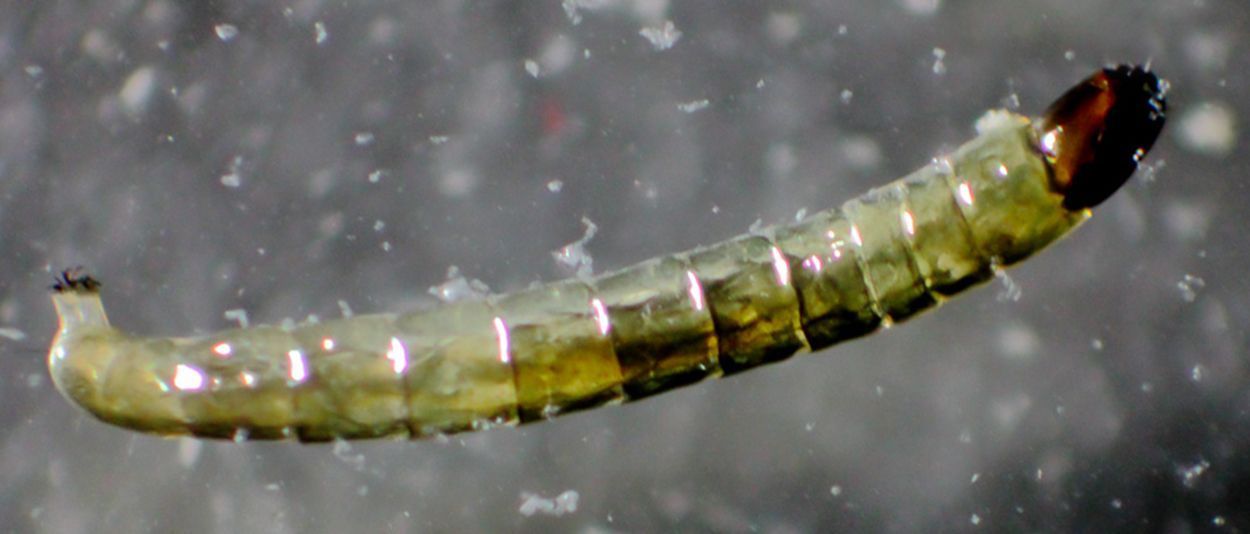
880, 391
1012, 101
662, 38
921, 7
12, 333
861, 152
237, 315
693, 105
34, 71
756, 227
363, 491
1189, 475
555, 186
975, 477
759, 84
1010, 292
375, 176
458, 182
939, 67
975, 519
364, 138
809, 426
345, 308
1069, 55
1117, 504
1096, 344
1018, 341
564, 503
531, 67
846, 96
715, 209
226, 32
1209, 129
842, 29
1196, 373
573, 256
800, 215
780, 160
386, 246
557, 55
457, 287
319, 29
232, 178
379, 225
273, 486
570, 10
835, 490
439, 139
1218, 521
965, 436
1186, 220
137, 90
343, 451
34, 380
1189, 286
1147, 387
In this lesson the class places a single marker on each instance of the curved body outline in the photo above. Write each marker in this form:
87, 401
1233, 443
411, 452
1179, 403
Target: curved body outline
881, 258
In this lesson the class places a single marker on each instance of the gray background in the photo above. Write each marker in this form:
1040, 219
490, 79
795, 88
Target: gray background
1101, 398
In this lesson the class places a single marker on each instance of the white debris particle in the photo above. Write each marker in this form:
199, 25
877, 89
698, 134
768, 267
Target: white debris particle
975, 478
34, 380
1117, 504
458, 182
1189, 474
975, 519
1012, 101
1189, 286
439, 139
1197, 373
693, 105
555, 186
34, 71
343, 451
570, 10
12, 333
1218, 521
273, 486
759, 84
836, 490
319, 29
880, 391
783, 28
800, 215
1096, 344
457, 287
663, 37
189, 451
363, 138
531, 67
756, 228
237, 315
232, 178
1010, 292
1069, 55
921, 7
226, 32
574, 256
861, 152
842, 29
137, 90
965, 436
345, 308
375, 176
564, 503
363, 490
1209, 129
939, 67
386, 246
379, 225
846, 96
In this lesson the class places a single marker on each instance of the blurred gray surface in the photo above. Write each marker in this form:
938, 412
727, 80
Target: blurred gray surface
206, 156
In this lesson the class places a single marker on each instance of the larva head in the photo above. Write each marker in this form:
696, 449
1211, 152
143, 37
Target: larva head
1097, 132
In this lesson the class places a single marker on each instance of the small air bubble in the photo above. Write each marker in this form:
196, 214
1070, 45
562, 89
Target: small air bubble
319, 30
226, 32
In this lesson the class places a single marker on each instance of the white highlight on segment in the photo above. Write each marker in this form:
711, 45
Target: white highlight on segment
299, 368
813, 263
501, 332
188, 378
1050, 142
223, 349
909, 222
398, 355
248, 379
1002, 170
965, 193
601, 316
781, 267
855, 237
695, 290
327, 343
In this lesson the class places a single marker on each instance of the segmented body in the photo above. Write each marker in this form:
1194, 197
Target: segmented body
839, 274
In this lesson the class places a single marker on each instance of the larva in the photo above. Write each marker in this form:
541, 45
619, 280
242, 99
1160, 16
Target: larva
881, 258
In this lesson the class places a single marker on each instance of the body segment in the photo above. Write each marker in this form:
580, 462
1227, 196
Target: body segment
881, 258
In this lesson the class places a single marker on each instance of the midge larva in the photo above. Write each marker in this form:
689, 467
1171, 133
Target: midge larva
839, 274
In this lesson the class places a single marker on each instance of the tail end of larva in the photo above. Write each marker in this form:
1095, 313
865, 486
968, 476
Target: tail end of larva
76, 296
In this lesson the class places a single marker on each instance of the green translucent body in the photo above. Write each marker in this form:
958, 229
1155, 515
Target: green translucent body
839, 274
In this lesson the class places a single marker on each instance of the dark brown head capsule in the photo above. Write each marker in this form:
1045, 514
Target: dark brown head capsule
1096, 133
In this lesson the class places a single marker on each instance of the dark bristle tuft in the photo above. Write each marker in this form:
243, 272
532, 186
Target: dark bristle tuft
75, 280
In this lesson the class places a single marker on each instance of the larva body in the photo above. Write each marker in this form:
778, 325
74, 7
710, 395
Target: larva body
839, 274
